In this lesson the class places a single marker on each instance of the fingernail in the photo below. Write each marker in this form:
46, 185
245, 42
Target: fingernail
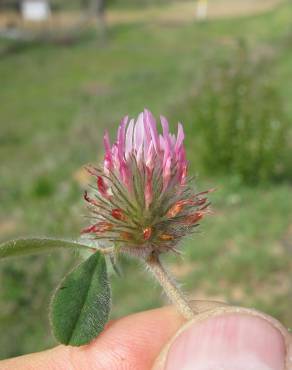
229, 342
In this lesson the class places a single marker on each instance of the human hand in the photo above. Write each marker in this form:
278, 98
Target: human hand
221, 337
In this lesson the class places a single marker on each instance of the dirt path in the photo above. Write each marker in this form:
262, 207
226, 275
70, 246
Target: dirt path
185, 11
178, 12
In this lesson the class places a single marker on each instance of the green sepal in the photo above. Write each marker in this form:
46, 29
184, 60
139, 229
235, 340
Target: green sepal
23, 247
81, 305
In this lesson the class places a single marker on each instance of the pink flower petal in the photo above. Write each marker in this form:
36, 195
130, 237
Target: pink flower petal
153, 129
180, 136
166, 173
147, 133
125, 174
139, 132
167, 143
183, 175
149, 160
108, 162
139, 155
165, 128
121, 137
115, 156
148, 188
129, 137
161, 142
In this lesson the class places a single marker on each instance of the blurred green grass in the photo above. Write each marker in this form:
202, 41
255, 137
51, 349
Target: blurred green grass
55, 103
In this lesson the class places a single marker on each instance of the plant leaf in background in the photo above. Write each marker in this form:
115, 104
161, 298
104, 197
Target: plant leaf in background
22, 247
81, 305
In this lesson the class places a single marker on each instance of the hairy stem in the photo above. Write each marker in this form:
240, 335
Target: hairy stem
170, 288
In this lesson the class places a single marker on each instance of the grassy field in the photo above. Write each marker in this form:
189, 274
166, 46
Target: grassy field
56, 101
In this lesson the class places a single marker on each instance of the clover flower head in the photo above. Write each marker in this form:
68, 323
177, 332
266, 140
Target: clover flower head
143, 201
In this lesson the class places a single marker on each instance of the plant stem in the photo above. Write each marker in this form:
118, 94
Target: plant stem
170, 288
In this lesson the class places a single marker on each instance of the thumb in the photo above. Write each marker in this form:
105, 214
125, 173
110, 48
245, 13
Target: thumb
228, 338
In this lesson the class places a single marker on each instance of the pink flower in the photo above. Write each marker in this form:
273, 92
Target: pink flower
144, 201
142, 141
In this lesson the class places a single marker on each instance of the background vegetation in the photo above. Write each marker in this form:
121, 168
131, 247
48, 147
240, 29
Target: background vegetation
228, 80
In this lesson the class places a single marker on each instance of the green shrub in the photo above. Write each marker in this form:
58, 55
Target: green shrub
240, 120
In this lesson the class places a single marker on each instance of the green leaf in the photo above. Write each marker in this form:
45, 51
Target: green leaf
81, 305
22, 247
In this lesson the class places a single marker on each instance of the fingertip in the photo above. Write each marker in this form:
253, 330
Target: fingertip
232, 341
